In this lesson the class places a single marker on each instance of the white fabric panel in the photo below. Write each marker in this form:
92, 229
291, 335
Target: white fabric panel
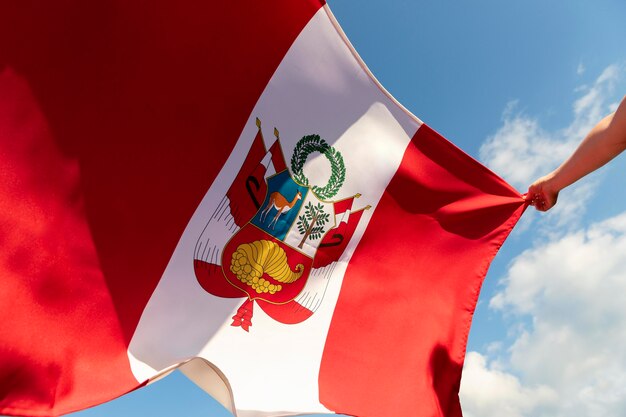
322, 88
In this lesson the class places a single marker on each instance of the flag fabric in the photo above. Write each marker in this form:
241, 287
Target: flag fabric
227, 189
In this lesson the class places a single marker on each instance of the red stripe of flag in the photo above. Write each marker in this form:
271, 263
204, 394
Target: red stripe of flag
116, 119
414, 279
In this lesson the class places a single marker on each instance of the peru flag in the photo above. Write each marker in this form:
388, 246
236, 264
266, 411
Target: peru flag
229, 191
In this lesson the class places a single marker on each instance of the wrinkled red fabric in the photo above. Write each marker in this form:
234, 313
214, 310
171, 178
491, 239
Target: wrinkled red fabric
397, 339
115, 117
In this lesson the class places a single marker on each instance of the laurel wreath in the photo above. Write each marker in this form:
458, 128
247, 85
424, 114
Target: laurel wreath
313, 143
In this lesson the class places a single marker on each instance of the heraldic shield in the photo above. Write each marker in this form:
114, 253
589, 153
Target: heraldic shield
270, 258
269, 235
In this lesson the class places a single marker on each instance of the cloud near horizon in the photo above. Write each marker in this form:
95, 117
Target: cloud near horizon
573, 291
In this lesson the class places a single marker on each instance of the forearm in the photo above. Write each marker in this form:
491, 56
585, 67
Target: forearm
603, 143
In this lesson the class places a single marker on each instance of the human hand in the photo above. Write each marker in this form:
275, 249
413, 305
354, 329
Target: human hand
542, 193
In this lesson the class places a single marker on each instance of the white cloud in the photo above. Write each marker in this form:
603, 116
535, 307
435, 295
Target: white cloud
574, 291
487, 391
521, 150
594, 104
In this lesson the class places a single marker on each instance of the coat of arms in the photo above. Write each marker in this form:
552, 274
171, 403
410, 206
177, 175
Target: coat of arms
274, 238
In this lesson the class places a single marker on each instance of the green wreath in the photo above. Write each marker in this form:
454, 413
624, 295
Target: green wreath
313, 143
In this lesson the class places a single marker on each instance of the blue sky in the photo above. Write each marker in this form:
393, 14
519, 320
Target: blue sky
514, 84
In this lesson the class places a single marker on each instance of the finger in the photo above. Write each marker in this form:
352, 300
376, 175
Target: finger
539, 203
